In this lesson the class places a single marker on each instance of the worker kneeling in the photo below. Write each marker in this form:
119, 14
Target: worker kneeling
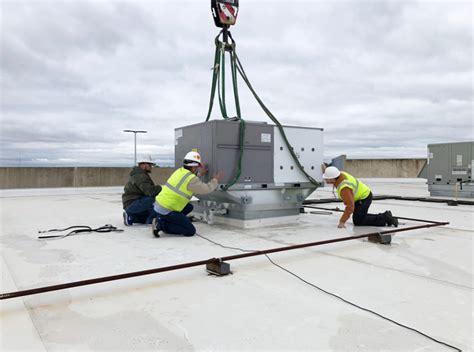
357, 198
139, 194
172, 204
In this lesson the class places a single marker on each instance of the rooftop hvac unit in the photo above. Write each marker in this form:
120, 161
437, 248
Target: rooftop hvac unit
270, 185
449, 169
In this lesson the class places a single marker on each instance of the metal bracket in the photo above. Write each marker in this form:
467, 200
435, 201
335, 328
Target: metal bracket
218, 268
379, 238
246, 200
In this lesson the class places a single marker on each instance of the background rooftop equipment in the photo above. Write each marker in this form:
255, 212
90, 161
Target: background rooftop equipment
449, 169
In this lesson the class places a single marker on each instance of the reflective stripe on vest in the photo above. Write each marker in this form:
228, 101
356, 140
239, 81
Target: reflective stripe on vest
180, 183
175, 194
359, 189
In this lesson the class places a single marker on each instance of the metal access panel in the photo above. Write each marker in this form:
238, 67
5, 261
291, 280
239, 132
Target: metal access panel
307, 144
439, 162
218, 143
461, 161
472, 159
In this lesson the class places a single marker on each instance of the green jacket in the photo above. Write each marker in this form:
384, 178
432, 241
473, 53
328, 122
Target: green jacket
139, 185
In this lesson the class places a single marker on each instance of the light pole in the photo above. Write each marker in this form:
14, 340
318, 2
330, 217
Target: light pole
135, 135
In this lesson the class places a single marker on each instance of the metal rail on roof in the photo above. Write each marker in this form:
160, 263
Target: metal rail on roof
33, 291
388, 197
398, 217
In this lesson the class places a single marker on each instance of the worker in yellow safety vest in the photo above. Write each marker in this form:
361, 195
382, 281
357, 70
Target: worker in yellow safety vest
172, 203
357, 198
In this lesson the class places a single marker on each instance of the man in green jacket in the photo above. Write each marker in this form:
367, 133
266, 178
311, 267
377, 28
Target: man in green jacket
139, 194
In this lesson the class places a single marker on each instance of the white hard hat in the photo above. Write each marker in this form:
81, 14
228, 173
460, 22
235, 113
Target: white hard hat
146, 158
331, 172
192, 159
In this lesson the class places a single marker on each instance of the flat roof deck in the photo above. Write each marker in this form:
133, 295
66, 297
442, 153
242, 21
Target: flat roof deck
423, 280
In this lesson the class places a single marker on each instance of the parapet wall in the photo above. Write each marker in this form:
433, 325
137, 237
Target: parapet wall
386, 168
53, 177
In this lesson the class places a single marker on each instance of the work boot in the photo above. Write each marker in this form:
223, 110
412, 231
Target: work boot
391, 220
127, 219
155, 227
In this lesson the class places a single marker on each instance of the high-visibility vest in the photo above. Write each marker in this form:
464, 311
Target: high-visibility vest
359, 189
174, 194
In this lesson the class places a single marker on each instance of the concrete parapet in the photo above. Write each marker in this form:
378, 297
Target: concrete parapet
387, 168
52, 177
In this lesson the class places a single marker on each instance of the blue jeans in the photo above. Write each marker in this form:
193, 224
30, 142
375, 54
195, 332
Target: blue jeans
141, 210
177, 223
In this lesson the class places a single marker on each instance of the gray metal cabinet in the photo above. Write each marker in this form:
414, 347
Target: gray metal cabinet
449, 169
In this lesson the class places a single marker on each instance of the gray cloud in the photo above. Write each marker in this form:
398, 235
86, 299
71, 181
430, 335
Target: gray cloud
383, 78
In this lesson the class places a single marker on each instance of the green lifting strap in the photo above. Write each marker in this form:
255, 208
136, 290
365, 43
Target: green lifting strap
242, 73
241, 153
218, 76
234, 80
221, 82
215, 75
218, 82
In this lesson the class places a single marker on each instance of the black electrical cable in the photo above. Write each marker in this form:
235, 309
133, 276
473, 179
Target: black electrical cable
78, 229
364, 309
66, 228
221, 245
336, 296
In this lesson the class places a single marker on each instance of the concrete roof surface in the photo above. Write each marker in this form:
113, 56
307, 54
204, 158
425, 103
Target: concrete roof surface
424, 279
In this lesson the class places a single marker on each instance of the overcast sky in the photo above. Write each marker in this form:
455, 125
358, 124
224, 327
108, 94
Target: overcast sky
383, 78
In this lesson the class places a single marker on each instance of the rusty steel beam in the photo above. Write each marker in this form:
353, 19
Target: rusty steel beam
398, 217
33, 291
